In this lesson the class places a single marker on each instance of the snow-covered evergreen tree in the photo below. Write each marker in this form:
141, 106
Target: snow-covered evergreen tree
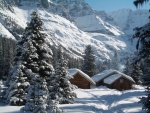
104, 66
18, 80
128, 68
89, 61
143, 44
1, 90
62, 90
39, 64
146, 72
32, 65
146, 82
37, 95
17, 90
143, 47
136, 73
53, 107
115, 61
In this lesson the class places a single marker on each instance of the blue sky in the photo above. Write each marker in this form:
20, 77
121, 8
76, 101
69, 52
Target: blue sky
112, 5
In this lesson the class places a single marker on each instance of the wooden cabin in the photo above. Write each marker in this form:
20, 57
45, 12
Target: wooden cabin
80, 79
119, 81
114, 79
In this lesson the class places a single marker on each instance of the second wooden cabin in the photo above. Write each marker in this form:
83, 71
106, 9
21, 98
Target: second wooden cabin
114, 79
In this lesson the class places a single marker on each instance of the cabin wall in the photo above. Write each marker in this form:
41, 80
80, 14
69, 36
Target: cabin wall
80, 81
99, 83
121, 84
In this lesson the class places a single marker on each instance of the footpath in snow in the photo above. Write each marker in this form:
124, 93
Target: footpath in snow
98, 100
104, 100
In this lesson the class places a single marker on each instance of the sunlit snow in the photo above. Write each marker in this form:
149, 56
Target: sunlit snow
98, 100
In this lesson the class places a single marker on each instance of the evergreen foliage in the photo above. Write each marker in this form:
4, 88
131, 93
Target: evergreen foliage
136, 73
18, 80
7, 48
1, 91
115, 61
73, 62
128, 68
53, 107
39, 63
88, 66
37, 95
104, 66
62, 90
32, 67
139, 2
143, 47
146, 71
143, 44
18, 84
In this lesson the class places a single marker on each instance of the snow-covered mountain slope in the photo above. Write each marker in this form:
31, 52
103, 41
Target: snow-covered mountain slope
127, 19
85, 17
5, 33
67, 22
93, 23
68, 35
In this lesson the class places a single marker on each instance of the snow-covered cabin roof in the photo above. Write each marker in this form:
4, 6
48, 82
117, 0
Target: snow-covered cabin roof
74, 71
114, 77
102, 75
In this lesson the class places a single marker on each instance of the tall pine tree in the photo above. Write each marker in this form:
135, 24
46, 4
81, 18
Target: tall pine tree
19, 76
146, 71
128, 68
143, 35
89, 66
40, 66
136, 73
104, 66
32, 67
115, 61
62, 90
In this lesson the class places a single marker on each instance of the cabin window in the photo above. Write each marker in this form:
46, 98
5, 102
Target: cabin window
121, 80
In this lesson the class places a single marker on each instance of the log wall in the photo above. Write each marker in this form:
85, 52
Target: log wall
80, 81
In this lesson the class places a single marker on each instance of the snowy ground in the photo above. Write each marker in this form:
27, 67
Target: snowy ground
98, 100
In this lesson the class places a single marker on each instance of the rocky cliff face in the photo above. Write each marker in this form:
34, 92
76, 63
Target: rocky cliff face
74, 24
127, 19
74, 11
84, 17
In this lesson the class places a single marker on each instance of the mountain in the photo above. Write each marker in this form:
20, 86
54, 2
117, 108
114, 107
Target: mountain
84, 17
94, 23
5, 32
127, 19
73, 24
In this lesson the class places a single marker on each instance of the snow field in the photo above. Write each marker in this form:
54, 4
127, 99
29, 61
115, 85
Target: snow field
98, 100
5, 32
104, 100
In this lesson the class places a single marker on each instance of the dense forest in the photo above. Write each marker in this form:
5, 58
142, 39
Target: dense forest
7, 49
